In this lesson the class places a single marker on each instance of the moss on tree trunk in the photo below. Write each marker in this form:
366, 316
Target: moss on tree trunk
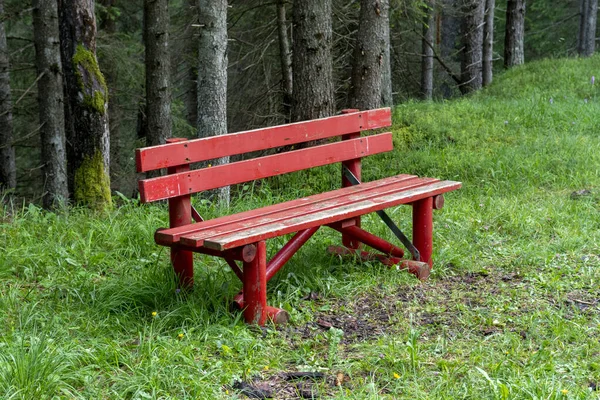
92, 185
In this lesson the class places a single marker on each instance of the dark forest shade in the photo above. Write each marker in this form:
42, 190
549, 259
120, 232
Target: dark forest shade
86, 117
8, 177
158, 94
50, 101
311, 61
514, 53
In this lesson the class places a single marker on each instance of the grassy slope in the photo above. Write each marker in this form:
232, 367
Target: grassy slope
511, 311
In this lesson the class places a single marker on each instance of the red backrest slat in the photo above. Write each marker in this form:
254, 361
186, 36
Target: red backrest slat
173, 154
229, 174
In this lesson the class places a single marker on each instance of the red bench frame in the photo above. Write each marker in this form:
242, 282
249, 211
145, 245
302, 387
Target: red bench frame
242, 237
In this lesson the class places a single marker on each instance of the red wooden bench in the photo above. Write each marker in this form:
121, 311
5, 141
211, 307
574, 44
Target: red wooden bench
242, 237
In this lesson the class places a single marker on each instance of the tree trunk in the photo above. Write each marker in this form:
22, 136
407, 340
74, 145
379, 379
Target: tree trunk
8, 170
50, 101
86, 105
472, 35
311, 60
386, 80
190, 98
488, 42
212, 75
427, 52
285, 58
515, 32
586, 43
158, 98
368, 57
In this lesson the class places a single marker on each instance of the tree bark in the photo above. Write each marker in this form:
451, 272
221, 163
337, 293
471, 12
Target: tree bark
8, 170
472, 35
158, 96
368, 57
427, 52
86, 105
586, 43
285, 58
514, 53
488, 42
190, 96
50, 101
212, 75
386, 84
311, 60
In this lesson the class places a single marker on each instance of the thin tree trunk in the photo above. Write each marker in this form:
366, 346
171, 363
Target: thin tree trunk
472, 31
86, 106
50, 101
212, 75
587, 28
311, 60
488, 42
158, 98
369, 54
386, 80
285, 59
8, 170
190, 98
583, 9
514, 53
427, 52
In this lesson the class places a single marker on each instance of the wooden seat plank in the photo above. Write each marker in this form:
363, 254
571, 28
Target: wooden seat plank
171, 236
196, 239
278, 228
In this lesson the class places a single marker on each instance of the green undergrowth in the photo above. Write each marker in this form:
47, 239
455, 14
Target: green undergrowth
88, 307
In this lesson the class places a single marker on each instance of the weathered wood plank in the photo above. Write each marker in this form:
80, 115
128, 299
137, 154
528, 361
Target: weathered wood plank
196, 239
191, 151
360, 207
170, 236
229, 174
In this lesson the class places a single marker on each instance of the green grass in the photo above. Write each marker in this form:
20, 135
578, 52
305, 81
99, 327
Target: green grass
512, 309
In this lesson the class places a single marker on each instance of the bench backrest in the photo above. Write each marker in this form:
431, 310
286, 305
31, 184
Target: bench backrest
178, 155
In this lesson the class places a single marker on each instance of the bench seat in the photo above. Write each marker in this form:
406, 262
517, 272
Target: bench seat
268, 222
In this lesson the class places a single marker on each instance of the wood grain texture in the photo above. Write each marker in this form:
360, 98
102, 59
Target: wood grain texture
327, 216
168, 237
223, 175
285, 213
173, 154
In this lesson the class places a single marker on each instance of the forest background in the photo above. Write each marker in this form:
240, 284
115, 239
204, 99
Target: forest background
160, 63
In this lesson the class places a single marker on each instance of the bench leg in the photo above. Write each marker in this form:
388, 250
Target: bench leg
182, 260
255, 286
423, 228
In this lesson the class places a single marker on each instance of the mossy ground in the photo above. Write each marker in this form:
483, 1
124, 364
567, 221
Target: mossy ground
512, 309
